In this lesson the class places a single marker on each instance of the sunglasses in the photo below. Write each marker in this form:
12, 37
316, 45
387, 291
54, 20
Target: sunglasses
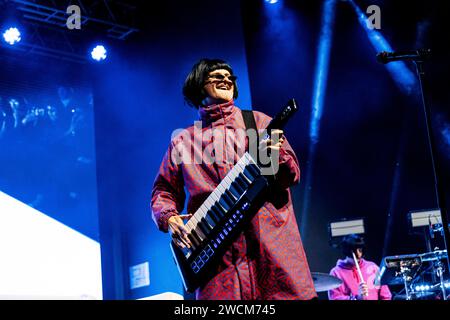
221, 77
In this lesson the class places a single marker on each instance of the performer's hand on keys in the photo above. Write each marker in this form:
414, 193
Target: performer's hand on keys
178, 230
273, 142
363, 291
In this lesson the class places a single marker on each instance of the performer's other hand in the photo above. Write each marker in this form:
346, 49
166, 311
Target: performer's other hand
178, 230
274, 142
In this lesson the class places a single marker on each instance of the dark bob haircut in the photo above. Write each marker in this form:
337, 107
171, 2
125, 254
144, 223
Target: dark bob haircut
350, 243
193, 85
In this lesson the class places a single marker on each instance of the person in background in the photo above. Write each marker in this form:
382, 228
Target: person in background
353, 287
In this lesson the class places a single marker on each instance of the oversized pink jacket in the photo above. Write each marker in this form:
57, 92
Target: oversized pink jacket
267, 260
348, 273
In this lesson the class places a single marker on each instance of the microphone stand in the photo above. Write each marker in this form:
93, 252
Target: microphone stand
440, 196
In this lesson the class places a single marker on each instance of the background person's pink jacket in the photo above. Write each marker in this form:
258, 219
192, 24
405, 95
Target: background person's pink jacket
348, 273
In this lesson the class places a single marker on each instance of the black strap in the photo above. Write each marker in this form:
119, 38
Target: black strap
249, 119
250, 123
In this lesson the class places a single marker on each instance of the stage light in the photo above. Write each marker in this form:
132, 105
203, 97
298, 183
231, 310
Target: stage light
424, 218
12, 35
339, 229
318, 99
321, 72
99, 53
346, 227
271, 1
403, 77
423, 287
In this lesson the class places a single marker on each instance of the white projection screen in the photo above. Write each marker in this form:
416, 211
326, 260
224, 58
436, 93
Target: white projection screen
42, 258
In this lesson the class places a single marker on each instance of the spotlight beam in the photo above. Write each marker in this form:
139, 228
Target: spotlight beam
320, 83
403, 77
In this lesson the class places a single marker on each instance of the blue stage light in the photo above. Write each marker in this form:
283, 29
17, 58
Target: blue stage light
12, 35
404, 78
271, 1
423, 287
321, 72
99, 53
318, 99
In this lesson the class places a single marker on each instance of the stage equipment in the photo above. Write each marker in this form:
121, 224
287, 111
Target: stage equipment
436, 258
346, 227
325, 282
409, 270
46, 31
225, 212
424, 218
338, 229
399, 269
420, 295
429, 224
413, 55
419, 57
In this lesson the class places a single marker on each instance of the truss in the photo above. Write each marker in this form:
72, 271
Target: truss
48, 34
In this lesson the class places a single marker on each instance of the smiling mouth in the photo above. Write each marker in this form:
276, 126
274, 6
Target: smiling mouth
223, 87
